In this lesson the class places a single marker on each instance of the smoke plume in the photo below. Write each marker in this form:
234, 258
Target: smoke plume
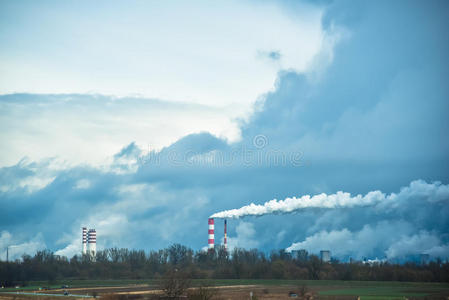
430, 192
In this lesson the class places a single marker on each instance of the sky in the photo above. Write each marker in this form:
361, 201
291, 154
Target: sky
310, 125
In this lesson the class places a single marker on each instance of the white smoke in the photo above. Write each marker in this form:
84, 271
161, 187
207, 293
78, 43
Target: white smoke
392, 239
17, 247
431, 192
246, 237
423, 242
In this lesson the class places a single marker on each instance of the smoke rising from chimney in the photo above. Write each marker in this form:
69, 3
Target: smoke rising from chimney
431, 192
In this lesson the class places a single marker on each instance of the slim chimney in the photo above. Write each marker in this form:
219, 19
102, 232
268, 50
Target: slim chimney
92, 241
84, 240
211, 240
225, 235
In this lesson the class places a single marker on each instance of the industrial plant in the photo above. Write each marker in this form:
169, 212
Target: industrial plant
325, 255
89, 242
211, 234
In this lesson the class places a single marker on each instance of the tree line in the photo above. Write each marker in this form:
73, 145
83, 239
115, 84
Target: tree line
240, 263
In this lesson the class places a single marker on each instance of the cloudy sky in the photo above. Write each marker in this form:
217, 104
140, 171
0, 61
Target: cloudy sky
141, 119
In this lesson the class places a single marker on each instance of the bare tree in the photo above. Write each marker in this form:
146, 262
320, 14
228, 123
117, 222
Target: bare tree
174, 283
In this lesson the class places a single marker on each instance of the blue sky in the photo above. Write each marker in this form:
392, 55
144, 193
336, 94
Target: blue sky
141, 120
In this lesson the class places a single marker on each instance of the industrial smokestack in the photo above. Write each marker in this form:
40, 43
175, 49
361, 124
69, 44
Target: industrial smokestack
84, 240
92, 241
211, 240
225, 235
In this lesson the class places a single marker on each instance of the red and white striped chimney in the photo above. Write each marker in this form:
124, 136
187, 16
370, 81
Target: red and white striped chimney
84, 240
225, 235
211, 240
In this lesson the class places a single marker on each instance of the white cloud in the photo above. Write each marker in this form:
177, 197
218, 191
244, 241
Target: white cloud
70, 250
193, 53
17, 247
423, 242
82, 184
246, 237
50, 126
34, 176
394, 239
179, 51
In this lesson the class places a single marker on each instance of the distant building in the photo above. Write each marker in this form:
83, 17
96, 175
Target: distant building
92, 242
424, 259
325, 255
300, 254
89, 242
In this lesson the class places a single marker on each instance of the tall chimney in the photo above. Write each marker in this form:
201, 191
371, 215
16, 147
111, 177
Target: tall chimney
92, 241
211, 240
84, 240
225, 235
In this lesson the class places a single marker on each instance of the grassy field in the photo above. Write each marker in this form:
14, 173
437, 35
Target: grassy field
324, 289
368, 290
384, 290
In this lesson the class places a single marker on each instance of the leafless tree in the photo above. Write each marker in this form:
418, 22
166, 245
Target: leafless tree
174, 283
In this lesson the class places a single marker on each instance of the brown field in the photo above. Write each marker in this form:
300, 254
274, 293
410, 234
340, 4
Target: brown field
147, 293
315, 290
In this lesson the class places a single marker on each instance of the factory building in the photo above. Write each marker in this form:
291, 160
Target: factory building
325, 255
301, 254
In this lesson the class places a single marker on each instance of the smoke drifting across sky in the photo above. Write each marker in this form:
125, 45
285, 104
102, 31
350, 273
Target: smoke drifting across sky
430, 192
397, 225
